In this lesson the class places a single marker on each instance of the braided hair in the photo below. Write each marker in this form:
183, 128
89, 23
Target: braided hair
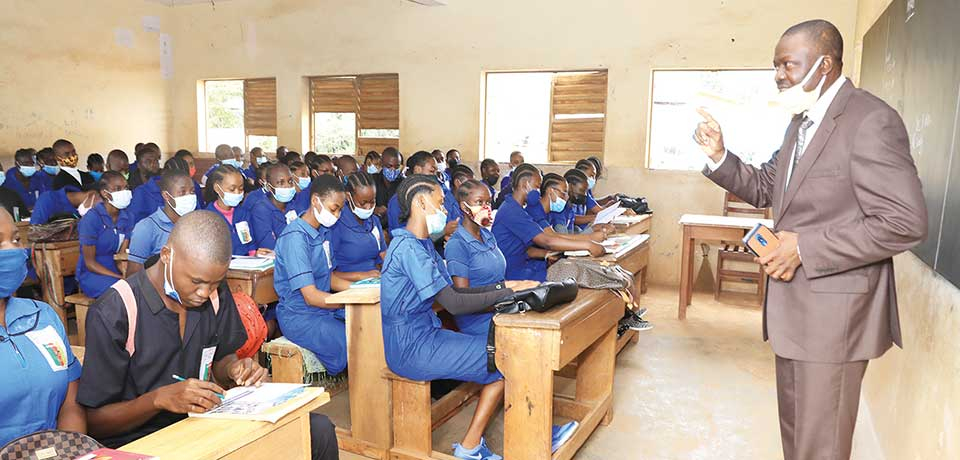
550, 180
586, 165
460, 171
177, 164
410, 188
215, 177
171, 176
359, 180
598, 164
575, 176
418, 159
463, 192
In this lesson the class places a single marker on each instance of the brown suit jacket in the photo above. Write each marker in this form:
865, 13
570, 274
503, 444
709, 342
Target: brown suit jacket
855, 200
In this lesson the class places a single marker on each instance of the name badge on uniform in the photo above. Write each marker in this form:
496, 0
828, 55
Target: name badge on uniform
326, 251
376, 236
51, 346
243, 231
206, 363
291, 216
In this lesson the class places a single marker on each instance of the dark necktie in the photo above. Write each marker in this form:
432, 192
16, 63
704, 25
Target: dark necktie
798, 149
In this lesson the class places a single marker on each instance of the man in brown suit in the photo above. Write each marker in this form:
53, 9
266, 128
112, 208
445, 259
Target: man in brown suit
846, 198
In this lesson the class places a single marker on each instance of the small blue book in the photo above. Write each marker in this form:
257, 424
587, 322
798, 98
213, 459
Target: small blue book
366, 283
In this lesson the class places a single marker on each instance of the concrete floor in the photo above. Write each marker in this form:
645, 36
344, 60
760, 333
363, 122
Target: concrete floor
699, 389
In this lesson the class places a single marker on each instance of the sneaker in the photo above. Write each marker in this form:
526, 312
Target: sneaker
562, 434
636, 314
481, 452
635, 323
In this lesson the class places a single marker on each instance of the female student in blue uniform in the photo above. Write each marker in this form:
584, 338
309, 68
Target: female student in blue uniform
357, 239
416, 347
150, 234
224, 192
549, 204
148, 198
185, 155
490, 172
104, 231
40, 374
270, 215
524, 242
302, 178
304, 277
18, 177
423, 162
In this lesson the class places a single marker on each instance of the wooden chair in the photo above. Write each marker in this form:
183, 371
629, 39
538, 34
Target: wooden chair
81, 304
733, 252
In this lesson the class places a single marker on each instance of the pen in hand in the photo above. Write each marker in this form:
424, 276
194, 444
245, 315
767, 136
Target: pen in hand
181, 379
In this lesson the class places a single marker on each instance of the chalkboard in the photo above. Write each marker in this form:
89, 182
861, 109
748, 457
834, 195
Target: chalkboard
911, 59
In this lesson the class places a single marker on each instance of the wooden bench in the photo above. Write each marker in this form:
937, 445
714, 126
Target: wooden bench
81, 304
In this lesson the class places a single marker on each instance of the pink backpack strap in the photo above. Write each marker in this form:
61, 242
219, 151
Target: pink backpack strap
130, 304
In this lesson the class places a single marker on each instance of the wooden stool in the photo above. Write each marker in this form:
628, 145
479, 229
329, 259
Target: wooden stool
286, 362
81, 304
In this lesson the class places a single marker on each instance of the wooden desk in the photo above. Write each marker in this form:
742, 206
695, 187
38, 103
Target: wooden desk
531, 347
23, 227
635, 261
210, 439
712, 228
636, 228
254, 283
53, 262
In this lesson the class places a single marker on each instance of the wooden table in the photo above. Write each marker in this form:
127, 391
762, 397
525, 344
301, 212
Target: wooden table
532, 346
257, 284
712, 228
53, 262
210, 439
634, 261
636, 228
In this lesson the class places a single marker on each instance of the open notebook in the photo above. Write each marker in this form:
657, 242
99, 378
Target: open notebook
268, 403
616, 245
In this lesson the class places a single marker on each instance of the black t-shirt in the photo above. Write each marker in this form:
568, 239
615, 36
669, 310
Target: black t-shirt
110, 375
64, 179
385, 191
10, 199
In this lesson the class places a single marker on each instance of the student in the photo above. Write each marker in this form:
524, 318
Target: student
524, 242
304, 277
224, 192
104, 231
148, 166
151, 233
371, 163
67, 159
415, 344
136, 157
441, 160
387, 180
423, 162
321, 165
453, 159
516, 159
577, 187
148, 198
18, 177
40, 372
129, 395
46, 163
281, 153
269, 216
358, 239
550, 204
302, 179
258, 158
290, 157
346, 165
225, 156
593, 205
490, 172
11, 201
68, 201
95, 166
117, 161
185, 155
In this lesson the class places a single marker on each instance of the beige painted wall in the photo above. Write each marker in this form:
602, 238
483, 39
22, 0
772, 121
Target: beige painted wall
440, 54
911, 397
64, 76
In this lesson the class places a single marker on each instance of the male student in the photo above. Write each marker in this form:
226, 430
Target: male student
148, 166
516, 159
225, 156
18, 177
117, 161
187, 325
387, 180
258, 158
69, 175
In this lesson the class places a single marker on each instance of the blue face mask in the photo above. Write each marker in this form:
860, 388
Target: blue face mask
372, 169
558, 205
51, 170
13, 270
3, 178
27, 171
591, 182
232, 162
96, 175
231, 199
303, 183
436, 223
284, 194
391, 174
262, 160
168, 287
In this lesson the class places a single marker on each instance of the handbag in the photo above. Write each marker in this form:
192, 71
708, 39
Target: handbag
591, 274
541, 298
639, 205
51, 444
63, 229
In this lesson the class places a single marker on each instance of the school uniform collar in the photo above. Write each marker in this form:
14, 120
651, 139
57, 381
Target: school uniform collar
313, 233
349, 219
20, 314
402, 232
155, 303
162, 218
472, 241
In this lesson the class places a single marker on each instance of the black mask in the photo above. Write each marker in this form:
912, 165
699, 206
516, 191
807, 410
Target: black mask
578, 200
491, 180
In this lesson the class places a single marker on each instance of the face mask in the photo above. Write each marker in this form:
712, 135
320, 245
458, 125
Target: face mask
303, 183
83, 209
193, 172
68, 162
441, 167
96, 175
492, 180
121, 198
3, 178
591, 183
481, 214
795, 99
558, 205
261, 160
284, 194
231, 162
13, 270
436, 223
231, 199
27, 171
372, 169
51, 170
325, 217
345, 181
126, 174
363, 213
452, 163
183, 204
391, 174
168, 287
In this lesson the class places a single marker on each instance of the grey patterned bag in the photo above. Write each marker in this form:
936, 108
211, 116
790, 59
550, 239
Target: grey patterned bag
591, 274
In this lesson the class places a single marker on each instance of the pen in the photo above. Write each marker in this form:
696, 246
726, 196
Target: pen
181, 379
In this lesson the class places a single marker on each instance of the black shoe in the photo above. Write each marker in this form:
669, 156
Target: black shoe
635, 324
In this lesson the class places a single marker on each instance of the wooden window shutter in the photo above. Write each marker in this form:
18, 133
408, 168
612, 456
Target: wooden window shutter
577, 94
379, 108
260, 107
333, 94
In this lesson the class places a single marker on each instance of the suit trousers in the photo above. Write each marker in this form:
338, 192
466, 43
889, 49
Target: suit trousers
818, 407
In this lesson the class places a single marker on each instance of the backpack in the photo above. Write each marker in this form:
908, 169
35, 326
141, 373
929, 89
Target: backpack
130, 304
253, 322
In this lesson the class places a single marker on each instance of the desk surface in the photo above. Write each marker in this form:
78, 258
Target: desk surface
356, 296
723, 221
555, 318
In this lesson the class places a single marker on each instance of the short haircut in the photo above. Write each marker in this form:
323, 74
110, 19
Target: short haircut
183, 153
550, 180
61, 143
289, 158
170, 177
418, 159
466, 188
46, 154
393, 152
359, 180
325, 184
116, 153
223, 152
515, 153
450, 152
825, 36
94, 159
410, 188
106, 178
371, 155
275, 168
346, 159
575, 176
489, 162
205, 235
297, 165
23, 155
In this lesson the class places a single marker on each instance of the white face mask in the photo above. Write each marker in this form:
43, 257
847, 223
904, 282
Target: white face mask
121, 198
797, 100
184, 204
325, 217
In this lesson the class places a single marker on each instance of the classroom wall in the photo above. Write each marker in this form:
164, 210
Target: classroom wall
64, 75
441, 52
910, 405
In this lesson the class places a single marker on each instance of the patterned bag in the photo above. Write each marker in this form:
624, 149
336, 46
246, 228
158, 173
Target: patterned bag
54, 231
591, 274
52, 445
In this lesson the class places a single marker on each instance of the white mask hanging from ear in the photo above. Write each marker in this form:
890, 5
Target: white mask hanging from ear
796, 99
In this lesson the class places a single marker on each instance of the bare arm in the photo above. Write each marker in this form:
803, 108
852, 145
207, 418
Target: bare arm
356, 276
555, 242
90, 261
72, 416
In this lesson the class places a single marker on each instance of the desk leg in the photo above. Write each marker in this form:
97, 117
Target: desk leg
686, 272
595, 374
528, 403
370, 414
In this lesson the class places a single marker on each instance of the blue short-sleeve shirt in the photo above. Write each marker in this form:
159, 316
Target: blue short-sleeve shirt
27, 194
98, 229
38, 364
303, 257
480, 262
515, 231
41, 182
146, 199
241, 233
413, 274
357, 243
393, 213
149, 235
267, 222
52, 203
535, 209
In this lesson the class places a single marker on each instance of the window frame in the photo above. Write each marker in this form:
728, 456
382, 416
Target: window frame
203, 126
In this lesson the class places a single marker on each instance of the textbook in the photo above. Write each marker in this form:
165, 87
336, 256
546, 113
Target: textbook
366, 283
111, 454
251, 263
267, 403
616, 245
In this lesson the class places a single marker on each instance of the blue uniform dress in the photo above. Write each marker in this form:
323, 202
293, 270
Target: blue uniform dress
28, 194
563, 221
535, 209
52, 203
357, 244
515, 231
146, 199
416, 345
254, 197
97, 229
267, 222
479, 262
241, 235
304, 257
37, 364
149, 235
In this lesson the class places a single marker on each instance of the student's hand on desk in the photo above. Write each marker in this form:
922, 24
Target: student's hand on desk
190, 395
709, 136
629, 212
596, 250
246, 372
264, 252
372, 274
520, 285
782, 263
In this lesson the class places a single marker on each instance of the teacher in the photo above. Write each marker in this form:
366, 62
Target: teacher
846, 198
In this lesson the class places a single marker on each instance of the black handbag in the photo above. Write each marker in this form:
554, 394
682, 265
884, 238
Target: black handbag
638, 205
539, 299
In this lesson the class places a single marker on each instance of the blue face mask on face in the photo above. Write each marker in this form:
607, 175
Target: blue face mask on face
558, 205
51, 170
232, 162
436, 222
231, 199
168, 287
303, 183
13, 270
284, 194
591, 182
371, 169
96, 175
391, 174
27, 171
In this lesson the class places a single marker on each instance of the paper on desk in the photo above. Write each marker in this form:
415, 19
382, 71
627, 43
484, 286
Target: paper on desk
630, 219
268, 403
606, 216
251, 263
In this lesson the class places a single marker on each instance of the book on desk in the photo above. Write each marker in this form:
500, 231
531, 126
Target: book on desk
615, 245
255, 263
267, 403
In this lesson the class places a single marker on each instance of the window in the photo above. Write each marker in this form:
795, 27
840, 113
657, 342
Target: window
549, 116
355, 114
240, 113
736, 98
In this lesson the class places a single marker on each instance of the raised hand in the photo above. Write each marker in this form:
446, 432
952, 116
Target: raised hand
709, 136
